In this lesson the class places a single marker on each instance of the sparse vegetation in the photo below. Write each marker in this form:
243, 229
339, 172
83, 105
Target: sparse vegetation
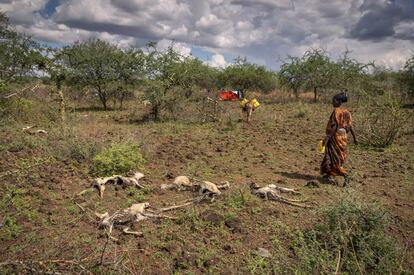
46, 227
381, 120
351, 238
118, 159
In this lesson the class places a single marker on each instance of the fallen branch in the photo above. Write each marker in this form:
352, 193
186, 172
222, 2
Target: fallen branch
104, 249
338, 262
21, 91
80, 206
177, 206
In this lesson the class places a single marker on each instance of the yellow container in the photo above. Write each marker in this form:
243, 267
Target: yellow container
255, 103
321, 147
243, 102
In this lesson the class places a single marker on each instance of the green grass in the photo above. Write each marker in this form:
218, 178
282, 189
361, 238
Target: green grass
119, 158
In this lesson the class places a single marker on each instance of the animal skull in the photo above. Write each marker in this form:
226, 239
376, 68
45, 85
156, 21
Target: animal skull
133, 180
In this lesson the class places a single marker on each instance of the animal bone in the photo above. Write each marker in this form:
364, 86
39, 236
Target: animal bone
273, 192
124, 219
133, 180
205, 188
180, 183
28, 129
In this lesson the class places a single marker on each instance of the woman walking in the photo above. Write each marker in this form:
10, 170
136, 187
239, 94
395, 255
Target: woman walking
336, 140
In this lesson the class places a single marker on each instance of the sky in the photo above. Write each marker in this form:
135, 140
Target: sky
218, 31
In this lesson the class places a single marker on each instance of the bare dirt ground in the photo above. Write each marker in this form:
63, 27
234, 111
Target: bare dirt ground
47, 227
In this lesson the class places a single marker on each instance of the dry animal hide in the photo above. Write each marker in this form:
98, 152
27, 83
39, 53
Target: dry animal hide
205, 188
133, 180
273, 192
123, 219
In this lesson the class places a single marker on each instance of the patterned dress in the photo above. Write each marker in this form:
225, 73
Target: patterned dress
335, 151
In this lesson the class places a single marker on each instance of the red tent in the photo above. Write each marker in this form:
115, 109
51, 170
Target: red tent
228, 96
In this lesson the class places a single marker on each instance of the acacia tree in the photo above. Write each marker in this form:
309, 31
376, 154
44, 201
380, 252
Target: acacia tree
55, 67
172, 78
19, 54
248, 76
349, 73
292, 74
191, 74
160, 77
104, 67
318, 71
408, 74
91, 64
129, 65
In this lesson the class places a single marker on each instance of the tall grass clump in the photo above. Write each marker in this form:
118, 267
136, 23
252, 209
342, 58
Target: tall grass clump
303, 110
380, 120
351, 239
119, 158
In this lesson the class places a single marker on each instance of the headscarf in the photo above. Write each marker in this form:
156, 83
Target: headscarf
341, 97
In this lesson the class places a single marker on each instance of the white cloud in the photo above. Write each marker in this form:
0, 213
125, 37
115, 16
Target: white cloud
261, 30
182, 48
217, 61
22, 11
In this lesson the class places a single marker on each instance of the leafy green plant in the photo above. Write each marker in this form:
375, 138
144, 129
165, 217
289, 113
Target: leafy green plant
119, 158
256, 264
350, 239
138, 195
10, 228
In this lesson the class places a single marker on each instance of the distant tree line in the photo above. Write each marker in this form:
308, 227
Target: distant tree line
315, 71
114, 73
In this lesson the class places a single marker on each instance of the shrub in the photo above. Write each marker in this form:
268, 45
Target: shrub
303, 110
119, 158
73, 147
350, 238
10, 228
381, 120
231, 123
27, 111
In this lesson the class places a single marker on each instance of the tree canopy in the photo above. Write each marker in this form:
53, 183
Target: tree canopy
19, 54
248, 76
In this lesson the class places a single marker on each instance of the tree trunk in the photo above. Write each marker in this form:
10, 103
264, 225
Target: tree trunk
315, 93
155, 111
121, 101
103, 100
102, 97
62, 105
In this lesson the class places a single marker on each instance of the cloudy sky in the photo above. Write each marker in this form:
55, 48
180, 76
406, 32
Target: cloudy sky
217, 31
